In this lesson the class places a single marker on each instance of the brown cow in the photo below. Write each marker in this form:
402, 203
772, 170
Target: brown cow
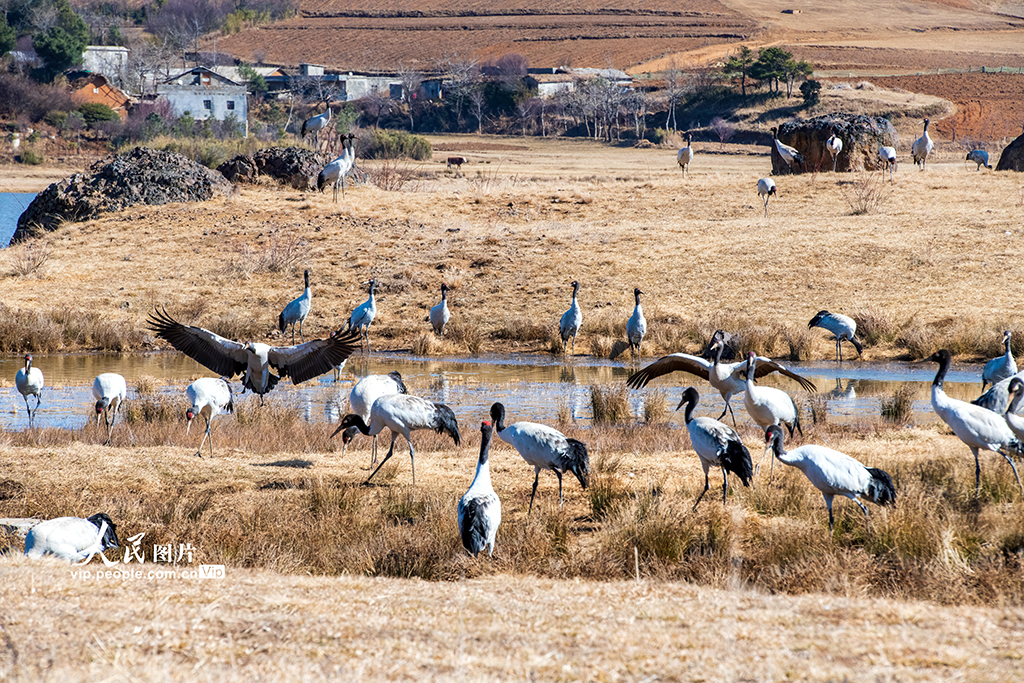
457, 162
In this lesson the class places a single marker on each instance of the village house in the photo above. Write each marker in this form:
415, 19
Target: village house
91, 87
205, 94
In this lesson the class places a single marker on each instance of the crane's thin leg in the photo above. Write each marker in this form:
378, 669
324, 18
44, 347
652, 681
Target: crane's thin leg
867, 523
205, 435
1014, 468
209, 431
758, 468
977, 473
725, 484
828, 504
533, 495
302, 337
561, 500
373, 458
706, 487
412, 459
109, 426
342, 185
391, 451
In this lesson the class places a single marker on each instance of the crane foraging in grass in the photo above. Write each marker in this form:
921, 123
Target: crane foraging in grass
404, 414
1003, 367
887, 155
296, 311
685, 155
727, 378
766, 190
922, 147
636, 326
569, 326
834, 145
208, 397
842, 326
979, 428
717, 445
335, 171
29, 382
545, 448
72, 539
980, 157
788, 154
834, 474
254, 360
361, 400
110, 391
479, 511
363, 315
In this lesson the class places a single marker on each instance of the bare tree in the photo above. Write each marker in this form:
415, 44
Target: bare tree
477, 98
412, 80
184, 22
462, 75
676, 85
637, 103
377, 104
722, 129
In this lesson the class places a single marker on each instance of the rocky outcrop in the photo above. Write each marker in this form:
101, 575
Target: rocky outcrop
861, 136
293, 166
143, 176
1012, 158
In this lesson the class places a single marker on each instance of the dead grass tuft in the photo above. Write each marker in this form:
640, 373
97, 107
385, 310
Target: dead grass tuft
279, 252
55, 329
655, 406
28, 258
899, 408
609, 404
867, 193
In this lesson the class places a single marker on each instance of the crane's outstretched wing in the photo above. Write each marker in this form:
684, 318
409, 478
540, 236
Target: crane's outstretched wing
766, 366
222, 356
314, 358
683, 362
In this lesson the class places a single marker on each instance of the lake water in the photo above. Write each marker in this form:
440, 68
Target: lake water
12, 205
532, 387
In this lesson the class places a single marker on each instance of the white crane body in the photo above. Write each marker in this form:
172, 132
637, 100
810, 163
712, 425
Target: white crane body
72, 539
479, 512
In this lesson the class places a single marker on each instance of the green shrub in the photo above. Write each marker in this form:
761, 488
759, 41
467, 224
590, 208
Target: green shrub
391, 144
96, 112
55, 118
31, 157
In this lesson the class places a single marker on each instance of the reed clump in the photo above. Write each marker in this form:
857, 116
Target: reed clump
899, 407
609, 404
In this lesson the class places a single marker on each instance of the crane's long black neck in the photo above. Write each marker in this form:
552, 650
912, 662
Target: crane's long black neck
444, 293
691, 403
394, 374
1006, 343
353, 420
486, 431
307, 279
636, 297
775, 437
498, 417
751, 368
944, 360
718, 352
575, 290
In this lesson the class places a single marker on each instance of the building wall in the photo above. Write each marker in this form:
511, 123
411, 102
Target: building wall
204, 103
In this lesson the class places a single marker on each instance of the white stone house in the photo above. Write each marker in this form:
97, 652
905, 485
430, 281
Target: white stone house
206, 94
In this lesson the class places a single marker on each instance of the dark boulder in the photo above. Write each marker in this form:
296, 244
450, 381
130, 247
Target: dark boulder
143, 176
293, 166
1012, 158
861, 136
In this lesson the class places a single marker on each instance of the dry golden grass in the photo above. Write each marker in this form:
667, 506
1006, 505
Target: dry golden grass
942, 249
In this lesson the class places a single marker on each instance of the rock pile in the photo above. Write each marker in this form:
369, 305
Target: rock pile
861, 136
1012, 158
143, 176
293, 166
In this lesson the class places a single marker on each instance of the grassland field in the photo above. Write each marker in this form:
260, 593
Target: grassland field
330, 579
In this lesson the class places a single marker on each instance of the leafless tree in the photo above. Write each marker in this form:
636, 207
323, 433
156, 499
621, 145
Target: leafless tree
148, 60
462, 74
411, 79
723, 130
637, 102
377, 104
184, 22
676, 85
477, 99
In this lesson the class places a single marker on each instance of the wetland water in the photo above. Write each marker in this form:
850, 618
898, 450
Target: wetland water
532, 387
12, 205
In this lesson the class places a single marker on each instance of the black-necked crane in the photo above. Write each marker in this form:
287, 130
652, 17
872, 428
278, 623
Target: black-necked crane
922, 147
1015, 391
834, 474
479, 509
717, 445
980, 157
1003, 367
788, 154
335, 172
110, 391
254, 360
29, 382
887, 155
544, 448
636, 326
296, 311
768, 406
834, 145
404, 414
842, 326
315, 124
72, 539
361, 400
766, 190
363, 315
979, 428
569, 325
685, 154
208, 397
997, 398
727, 378
439, 314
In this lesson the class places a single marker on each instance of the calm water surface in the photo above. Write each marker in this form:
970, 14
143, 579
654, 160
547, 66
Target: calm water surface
12, 205
531, 387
